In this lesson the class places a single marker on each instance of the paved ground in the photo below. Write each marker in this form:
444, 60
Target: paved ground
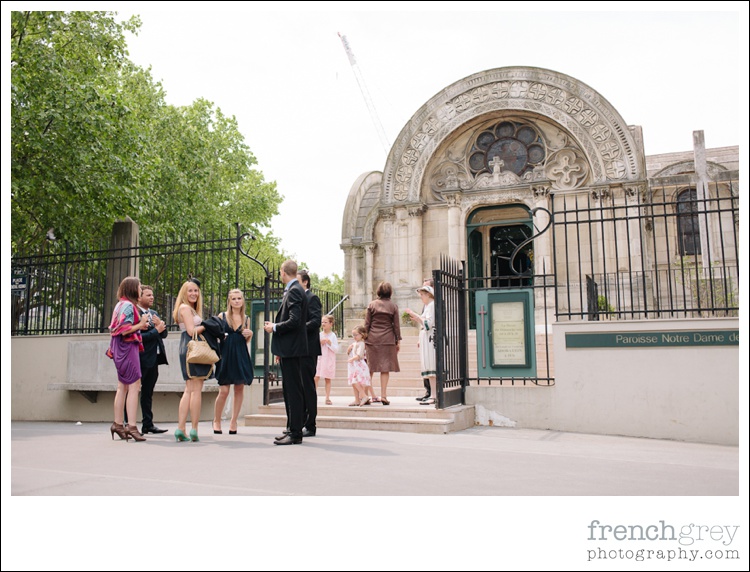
355, 500
66, 459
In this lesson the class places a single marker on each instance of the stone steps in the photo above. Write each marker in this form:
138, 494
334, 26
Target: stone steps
400, 415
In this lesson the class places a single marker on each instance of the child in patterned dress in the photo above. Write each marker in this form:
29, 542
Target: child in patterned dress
359, 373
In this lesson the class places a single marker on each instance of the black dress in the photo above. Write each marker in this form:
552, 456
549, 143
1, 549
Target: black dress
236, 365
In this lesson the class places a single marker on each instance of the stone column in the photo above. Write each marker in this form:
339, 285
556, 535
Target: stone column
369, 251
455, 226
407, 260
358, 265
122, 262
543, 260
701, 191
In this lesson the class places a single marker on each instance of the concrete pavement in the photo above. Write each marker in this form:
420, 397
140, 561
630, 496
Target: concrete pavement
64, 459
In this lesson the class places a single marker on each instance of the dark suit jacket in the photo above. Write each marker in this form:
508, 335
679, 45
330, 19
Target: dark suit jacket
290, 337
314, 310
152, 340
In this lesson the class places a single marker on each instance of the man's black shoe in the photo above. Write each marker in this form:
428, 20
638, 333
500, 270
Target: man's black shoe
284, 434
307, 433
288, 440
153, 429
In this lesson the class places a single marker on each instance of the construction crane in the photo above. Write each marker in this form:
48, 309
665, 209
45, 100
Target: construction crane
366, 95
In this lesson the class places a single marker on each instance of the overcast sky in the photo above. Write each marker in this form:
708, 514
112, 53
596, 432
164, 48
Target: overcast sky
286, 77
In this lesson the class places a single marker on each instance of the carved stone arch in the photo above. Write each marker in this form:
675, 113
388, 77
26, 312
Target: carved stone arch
685, 167
612, 151
369, 225
499, 198
361, 205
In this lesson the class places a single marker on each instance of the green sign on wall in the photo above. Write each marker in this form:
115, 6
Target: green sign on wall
653, 339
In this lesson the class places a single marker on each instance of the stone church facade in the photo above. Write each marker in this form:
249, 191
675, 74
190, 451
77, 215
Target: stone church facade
475, 162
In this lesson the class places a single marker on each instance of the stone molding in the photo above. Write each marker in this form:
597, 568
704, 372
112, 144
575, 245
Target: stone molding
612, 153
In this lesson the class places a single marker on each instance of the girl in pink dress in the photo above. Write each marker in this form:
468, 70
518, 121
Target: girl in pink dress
329, 345
359, 372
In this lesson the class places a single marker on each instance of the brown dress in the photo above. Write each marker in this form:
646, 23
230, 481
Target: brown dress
383, 335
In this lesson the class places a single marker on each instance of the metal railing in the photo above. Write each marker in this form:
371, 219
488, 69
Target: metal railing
64, 291
627, 257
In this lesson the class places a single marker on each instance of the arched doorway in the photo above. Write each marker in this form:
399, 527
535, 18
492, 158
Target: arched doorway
493, 233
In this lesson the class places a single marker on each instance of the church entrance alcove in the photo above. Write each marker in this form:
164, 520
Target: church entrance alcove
493, 234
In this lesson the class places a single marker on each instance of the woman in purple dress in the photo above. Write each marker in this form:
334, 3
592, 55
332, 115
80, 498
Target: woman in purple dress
124, 346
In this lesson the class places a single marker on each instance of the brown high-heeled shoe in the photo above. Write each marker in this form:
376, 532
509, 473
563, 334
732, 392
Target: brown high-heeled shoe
132, 430
120, 430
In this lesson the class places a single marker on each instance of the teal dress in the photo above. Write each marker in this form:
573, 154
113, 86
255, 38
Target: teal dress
236, 365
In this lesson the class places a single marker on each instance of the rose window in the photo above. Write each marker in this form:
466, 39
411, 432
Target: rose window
516, 147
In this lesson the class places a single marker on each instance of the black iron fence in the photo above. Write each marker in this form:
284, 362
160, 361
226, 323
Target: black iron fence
65, 291
668, 253
451, 342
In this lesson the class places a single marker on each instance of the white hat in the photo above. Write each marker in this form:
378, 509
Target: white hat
427, 289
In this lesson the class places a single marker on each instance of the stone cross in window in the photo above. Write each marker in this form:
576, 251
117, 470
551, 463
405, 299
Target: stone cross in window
497, 165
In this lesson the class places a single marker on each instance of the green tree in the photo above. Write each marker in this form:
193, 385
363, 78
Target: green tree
93, 141
76, 140
206, 177
333, 283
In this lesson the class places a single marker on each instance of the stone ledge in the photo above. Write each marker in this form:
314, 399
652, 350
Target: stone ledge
91, 390
160, 387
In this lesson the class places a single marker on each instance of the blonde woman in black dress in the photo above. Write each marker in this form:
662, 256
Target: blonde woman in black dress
236, 366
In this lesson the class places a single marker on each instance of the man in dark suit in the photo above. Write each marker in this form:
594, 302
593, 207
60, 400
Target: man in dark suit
152, 356
310, 361
289, 345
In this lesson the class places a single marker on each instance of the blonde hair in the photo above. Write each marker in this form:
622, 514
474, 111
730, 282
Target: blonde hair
289, 267
229, 305
182, 299
329, 317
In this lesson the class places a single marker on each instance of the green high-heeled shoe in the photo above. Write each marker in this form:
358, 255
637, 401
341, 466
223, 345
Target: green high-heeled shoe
179, 435
194, 435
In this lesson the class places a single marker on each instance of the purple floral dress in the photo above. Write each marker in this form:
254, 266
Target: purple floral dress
124, 349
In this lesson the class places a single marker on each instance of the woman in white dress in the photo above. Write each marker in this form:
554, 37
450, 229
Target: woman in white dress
426, 324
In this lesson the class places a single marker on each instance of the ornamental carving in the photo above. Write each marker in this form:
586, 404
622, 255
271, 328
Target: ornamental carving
387, 214
449, 177
415, 211
579, 110
566, 169
600, 193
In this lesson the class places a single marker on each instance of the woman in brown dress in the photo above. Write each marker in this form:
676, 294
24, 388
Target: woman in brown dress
383, 337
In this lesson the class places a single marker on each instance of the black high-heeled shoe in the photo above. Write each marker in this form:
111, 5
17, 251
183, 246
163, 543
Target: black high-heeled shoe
384, 401
233, 432
216, 431
120, 430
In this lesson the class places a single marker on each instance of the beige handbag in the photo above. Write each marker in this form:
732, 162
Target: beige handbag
198, 351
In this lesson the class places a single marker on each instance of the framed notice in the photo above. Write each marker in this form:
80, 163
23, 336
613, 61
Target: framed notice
508, 334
